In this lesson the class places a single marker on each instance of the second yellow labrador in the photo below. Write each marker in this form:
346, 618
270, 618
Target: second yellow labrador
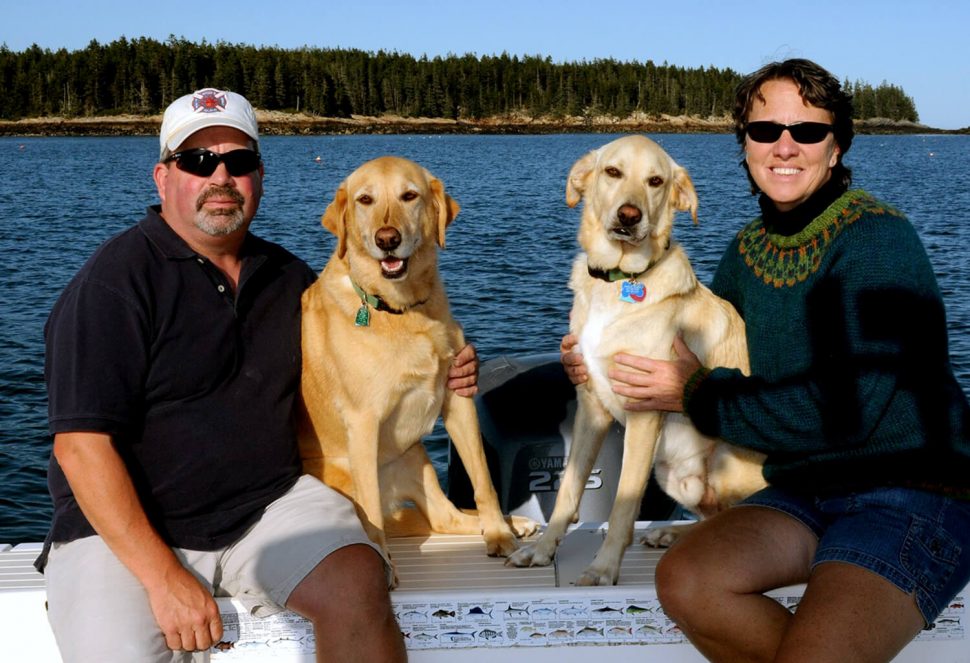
378, 339
634, 291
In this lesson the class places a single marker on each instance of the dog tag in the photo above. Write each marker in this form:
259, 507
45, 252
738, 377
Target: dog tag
363, 316
633, 292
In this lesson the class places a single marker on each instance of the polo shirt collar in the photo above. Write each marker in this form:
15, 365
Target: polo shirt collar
163, 237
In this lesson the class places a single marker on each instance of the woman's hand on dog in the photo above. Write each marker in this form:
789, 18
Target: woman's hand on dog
572, 361
654, 384
463, 374
650, 384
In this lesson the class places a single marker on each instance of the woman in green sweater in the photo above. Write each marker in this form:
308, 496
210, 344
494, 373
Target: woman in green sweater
851, 397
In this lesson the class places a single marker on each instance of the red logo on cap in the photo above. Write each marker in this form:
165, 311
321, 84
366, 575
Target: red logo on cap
209, 101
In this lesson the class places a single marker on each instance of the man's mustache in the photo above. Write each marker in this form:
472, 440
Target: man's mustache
222, 191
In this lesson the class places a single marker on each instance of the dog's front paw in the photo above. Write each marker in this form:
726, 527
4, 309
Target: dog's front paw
500, 543
594, 576
531, 555
522, 526
663, 537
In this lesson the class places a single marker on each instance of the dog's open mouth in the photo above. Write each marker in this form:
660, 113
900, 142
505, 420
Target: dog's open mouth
623, 234
393, 267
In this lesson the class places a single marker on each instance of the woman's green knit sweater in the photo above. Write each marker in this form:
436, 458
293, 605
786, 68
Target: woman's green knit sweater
851, 384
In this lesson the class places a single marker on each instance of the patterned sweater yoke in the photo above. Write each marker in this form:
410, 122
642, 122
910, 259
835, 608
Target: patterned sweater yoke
786, 260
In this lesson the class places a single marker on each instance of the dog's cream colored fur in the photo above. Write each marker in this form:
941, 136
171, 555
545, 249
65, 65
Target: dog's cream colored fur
371, 392
633, 180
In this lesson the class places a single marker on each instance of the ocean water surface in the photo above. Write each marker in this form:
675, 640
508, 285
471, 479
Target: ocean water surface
505, 264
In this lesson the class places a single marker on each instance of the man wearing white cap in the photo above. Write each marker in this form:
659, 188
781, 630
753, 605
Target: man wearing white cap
173, 363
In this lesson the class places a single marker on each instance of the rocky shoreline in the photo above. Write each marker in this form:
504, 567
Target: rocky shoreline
279, 123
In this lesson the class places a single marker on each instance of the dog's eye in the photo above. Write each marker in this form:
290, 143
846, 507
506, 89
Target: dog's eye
613, 172
365, 199
656, 180
409, 195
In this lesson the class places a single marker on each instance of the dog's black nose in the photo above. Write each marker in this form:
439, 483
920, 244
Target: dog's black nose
387, 238
629, 215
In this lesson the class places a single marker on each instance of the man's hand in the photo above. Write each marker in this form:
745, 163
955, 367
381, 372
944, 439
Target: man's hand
185, 611
463, 374
572, 360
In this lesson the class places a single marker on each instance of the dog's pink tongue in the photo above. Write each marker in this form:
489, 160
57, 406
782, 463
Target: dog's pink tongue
392, 264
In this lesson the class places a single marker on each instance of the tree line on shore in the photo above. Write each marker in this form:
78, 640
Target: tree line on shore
141, 76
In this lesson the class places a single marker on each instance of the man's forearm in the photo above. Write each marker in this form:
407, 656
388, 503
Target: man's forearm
104, 491
185, 610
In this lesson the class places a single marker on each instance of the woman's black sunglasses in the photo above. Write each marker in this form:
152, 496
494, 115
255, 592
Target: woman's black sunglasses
203, 162
801, 132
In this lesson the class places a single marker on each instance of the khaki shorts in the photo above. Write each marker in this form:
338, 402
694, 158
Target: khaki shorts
100, 612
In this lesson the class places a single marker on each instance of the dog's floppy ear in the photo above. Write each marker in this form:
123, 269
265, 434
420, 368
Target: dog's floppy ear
682, 194
334, 219
578, 178
445, 208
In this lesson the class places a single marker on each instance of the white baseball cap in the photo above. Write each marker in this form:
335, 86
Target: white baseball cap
203, 108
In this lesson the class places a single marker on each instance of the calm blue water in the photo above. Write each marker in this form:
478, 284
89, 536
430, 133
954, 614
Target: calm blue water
505, 265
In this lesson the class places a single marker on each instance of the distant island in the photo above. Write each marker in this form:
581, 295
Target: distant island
122, 87
280, 123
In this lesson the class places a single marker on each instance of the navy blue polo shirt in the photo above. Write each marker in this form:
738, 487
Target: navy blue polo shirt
195, 384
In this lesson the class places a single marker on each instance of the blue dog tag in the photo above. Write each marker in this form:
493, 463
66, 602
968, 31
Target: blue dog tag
633, 292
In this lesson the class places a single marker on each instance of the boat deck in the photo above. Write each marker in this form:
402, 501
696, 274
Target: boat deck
453, 600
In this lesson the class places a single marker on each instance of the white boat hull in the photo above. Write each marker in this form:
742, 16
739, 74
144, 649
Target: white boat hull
454, 600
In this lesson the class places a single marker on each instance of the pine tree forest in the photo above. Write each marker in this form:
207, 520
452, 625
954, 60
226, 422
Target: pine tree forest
141, 76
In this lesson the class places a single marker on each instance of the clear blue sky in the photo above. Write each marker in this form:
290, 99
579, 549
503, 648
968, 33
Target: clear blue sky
923, 47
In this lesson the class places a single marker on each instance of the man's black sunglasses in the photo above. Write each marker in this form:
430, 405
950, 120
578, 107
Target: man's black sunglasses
203, 162
806, 133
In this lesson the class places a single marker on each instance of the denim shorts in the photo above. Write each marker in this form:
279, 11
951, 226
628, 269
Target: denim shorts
917, 540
